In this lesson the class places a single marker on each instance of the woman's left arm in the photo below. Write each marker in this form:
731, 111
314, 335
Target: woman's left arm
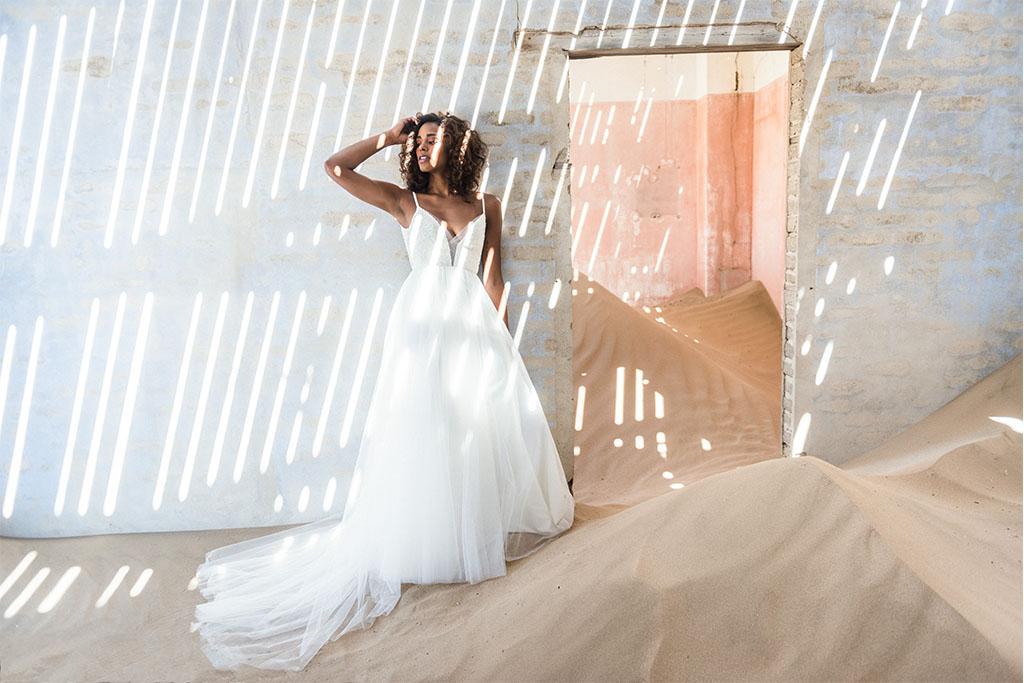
492, 279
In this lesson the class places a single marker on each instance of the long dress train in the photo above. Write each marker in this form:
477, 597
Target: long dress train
457, 472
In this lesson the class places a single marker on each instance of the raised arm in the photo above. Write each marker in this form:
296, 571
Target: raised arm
341, 166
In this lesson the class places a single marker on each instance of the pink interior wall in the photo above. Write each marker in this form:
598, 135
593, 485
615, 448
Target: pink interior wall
768, 227
639, 184
727, 192
682, 202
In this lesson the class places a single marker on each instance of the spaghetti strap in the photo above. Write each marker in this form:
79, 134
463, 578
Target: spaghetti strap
416, 200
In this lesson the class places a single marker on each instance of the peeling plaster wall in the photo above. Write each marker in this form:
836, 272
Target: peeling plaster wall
646, 194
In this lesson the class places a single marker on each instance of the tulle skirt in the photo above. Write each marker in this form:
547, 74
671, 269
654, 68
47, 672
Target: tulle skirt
457, 472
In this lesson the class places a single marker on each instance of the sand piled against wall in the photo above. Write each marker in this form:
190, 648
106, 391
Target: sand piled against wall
780, 569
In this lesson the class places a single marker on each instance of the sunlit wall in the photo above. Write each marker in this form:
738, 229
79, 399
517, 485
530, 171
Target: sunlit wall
192, 312
159, 164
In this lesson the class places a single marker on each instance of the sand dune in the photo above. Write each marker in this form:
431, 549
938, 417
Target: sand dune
759, 568
967, 419
714, 361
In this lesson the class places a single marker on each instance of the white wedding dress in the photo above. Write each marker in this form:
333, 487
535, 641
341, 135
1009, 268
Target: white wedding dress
456, 473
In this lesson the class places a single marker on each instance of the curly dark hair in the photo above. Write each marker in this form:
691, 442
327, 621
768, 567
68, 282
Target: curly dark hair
467, 154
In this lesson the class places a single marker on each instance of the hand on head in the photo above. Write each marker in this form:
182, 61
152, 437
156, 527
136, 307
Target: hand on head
400, 132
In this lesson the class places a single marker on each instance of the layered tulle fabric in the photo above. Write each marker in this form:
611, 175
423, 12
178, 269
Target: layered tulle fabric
456, 473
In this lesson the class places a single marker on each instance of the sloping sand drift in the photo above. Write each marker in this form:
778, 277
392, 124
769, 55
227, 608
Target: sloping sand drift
785, 569
979, 413
715, 362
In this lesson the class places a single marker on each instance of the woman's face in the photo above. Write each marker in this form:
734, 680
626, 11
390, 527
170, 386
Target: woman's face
430, 152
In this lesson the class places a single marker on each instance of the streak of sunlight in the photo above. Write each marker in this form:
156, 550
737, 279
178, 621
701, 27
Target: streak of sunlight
204, 393
73, 130
839, 181
26, 593
357, 382
542, 58
1014, 423
332, 487
736, 21
238, 110
154, 136
16, 573
354, 69
101, 408
12, 159
620, 381
58, 591
182, 121
442, 36
871, 157
711, 21
384, 52
638, 384
538, 173
282, 383
140, 583
805, 129
261, 364
225, 42
826, 356
128, 407
487, 67
268, 92
76, 410
632, 22
789, 21
686, 19
115, 583
229, 394
515, 61
885, 41
899, 150
286, 133
581, 398
814, 25
44, 140
657, 23
179, 394
800, 437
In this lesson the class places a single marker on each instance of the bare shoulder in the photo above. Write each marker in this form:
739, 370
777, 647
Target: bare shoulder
493, 229
492, 207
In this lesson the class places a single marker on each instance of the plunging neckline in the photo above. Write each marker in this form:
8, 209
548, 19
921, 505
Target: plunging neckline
439, 222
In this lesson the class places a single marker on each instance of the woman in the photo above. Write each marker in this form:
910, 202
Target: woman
457, 471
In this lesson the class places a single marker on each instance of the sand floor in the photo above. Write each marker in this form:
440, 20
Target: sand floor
903, 564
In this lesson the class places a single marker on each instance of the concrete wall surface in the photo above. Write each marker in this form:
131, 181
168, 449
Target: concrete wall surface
181, 284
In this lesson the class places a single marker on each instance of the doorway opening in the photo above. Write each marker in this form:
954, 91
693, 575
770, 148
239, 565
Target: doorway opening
679, 239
